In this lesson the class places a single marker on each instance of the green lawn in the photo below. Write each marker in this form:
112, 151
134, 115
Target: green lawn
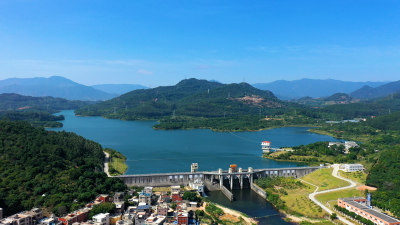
332, 197
298, 203
119, 165
324, 180
359, 177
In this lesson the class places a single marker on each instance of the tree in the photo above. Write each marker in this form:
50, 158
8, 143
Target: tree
106, 207
333, 216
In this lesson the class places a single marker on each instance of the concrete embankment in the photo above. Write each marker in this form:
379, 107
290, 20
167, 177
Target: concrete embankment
227, 193
258, 190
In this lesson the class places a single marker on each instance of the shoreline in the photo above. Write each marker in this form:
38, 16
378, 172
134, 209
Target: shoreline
247, 219
208, 128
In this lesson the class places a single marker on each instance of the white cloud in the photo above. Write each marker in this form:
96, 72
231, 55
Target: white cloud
145, 72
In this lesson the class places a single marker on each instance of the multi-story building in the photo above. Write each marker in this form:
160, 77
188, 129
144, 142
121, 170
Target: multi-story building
183, 218
102, 219
148, 190
175, 197
358, 206
162, 210
118, 197
350, 144
145, 198
77, 216
140, 218
176, 189
24, 218
50, 221
353, 167
103, 198
155, 220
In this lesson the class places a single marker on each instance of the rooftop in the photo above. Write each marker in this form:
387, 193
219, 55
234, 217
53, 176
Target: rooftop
373, 212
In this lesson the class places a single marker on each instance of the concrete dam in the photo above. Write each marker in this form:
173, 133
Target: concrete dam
224, 180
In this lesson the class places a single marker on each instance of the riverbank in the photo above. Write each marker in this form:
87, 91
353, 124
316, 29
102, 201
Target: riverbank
237, 214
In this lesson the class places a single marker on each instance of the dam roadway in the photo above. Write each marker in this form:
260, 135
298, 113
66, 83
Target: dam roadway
215, 178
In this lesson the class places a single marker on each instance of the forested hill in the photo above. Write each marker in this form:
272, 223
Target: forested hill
15, 102
377, 107
60, 171
190, 97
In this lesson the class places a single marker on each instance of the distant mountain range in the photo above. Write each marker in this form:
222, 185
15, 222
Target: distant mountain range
54, 86
118, 89
368, 92
312, 87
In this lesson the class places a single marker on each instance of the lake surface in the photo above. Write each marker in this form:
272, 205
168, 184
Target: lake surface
158, 151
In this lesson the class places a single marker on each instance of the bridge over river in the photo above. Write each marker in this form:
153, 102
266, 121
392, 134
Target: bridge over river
216, 180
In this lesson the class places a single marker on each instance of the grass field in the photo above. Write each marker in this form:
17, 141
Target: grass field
332, 197
359, 177
324, 180
298, 203
119, 165
162, 189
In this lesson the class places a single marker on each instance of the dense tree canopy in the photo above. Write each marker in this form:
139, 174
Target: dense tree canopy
61, 171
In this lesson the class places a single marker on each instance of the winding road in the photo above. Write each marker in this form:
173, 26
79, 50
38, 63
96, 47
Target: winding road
335, 171
106, 160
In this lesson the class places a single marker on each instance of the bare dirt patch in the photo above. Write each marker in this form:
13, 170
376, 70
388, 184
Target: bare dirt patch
365, 187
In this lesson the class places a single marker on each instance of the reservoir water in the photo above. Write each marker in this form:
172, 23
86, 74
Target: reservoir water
157, 151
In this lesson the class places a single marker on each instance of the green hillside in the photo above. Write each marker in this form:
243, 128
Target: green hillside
16, 102
60, 171
196, 103
376, 107
36, 110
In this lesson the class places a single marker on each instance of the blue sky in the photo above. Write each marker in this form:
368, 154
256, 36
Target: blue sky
161, 42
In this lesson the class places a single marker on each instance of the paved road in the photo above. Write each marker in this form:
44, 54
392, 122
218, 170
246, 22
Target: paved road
106, 160
316, 192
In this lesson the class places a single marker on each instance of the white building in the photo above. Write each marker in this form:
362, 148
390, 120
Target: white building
155, 220
330, 144
353, 167
194, 168
266, 146
175, 189
350, 144
124, 222
102, 219
197, 185
148, 190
